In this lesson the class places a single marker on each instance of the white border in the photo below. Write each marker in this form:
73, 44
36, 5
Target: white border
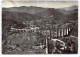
52, 55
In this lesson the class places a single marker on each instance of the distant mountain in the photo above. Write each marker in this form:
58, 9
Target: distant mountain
19, 16
68, 10
24, 13
24, 9
71, 7
52, 13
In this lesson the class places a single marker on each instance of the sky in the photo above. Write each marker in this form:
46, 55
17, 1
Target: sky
45, 4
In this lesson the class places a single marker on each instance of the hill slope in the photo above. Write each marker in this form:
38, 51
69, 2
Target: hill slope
24, 9
52, 13
19, 16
